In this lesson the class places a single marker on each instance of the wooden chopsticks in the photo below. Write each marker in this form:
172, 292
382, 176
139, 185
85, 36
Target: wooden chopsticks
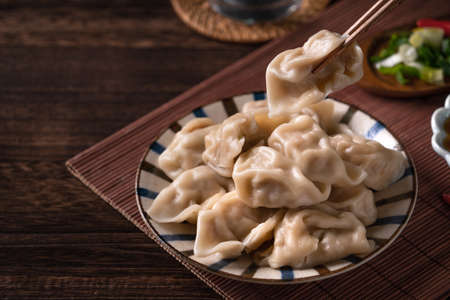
360, 26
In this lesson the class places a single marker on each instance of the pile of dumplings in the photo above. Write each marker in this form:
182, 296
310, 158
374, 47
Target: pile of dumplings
282, 181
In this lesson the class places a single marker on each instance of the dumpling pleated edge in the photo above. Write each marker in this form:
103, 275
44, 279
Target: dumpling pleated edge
396, 202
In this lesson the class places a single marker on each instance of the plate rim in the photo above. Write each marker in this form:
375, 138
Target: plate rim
185, 260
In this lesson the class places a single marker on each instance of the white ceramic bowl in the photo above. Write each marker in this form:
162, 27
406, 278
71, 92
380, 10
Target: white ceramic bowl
437, 124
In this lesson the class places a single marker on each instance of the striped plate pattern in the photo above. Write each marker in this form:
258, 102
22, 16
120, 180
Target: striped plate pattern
395, 204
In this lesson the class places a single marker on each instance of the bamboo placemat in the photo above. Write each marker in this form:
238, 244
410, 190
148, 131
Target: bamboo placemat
198, 15
415, 266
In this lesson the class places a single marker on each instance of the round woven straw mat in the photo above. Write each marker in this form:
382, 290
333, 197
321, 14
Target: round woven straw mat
198, 15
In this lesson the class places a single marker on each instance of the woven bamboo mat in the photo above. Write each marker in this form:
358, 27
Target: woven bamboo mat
415, 266
198, 15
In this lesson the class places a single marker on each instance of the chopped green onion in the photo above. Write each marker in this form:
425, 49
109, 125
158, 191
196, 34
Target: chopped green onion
401, 71
426, 35
395, 41
432, 75
445, 47
400, 78
423, 53
428, 55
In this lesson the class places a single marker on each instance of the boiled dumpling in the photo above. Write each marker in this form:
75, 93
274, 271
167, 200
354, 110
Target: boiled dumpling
184, 197
290, 83
297, 196
342, 128
185, 150
323, 113
230, 226
316, 235
260, 112
359, 200
263, 232
307, 144
383, 166
263, 177
227, 141
253, 107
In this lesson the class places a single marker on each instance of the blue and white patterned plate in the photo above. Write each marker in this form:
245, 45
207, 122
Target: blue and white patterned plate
395, 204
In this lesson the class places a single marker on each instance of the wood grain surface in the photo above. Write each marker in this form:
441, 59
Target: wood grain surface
72, 73
416, 266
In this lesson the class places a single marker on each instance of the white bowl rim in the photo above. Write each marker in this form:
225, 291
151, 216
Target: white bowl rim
437, 125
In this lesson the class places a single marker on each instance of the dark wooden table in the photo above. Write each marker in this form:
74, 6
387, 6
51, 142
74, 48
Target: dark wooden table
71, 74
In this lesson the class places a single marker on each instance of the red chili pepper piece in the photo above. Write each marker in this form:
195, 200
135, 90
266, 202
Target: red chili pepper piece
445, 25
446, 197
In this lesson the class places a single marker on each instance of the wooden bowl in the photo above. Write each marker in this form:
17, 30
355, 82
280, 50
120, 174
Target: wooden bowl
387, 85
